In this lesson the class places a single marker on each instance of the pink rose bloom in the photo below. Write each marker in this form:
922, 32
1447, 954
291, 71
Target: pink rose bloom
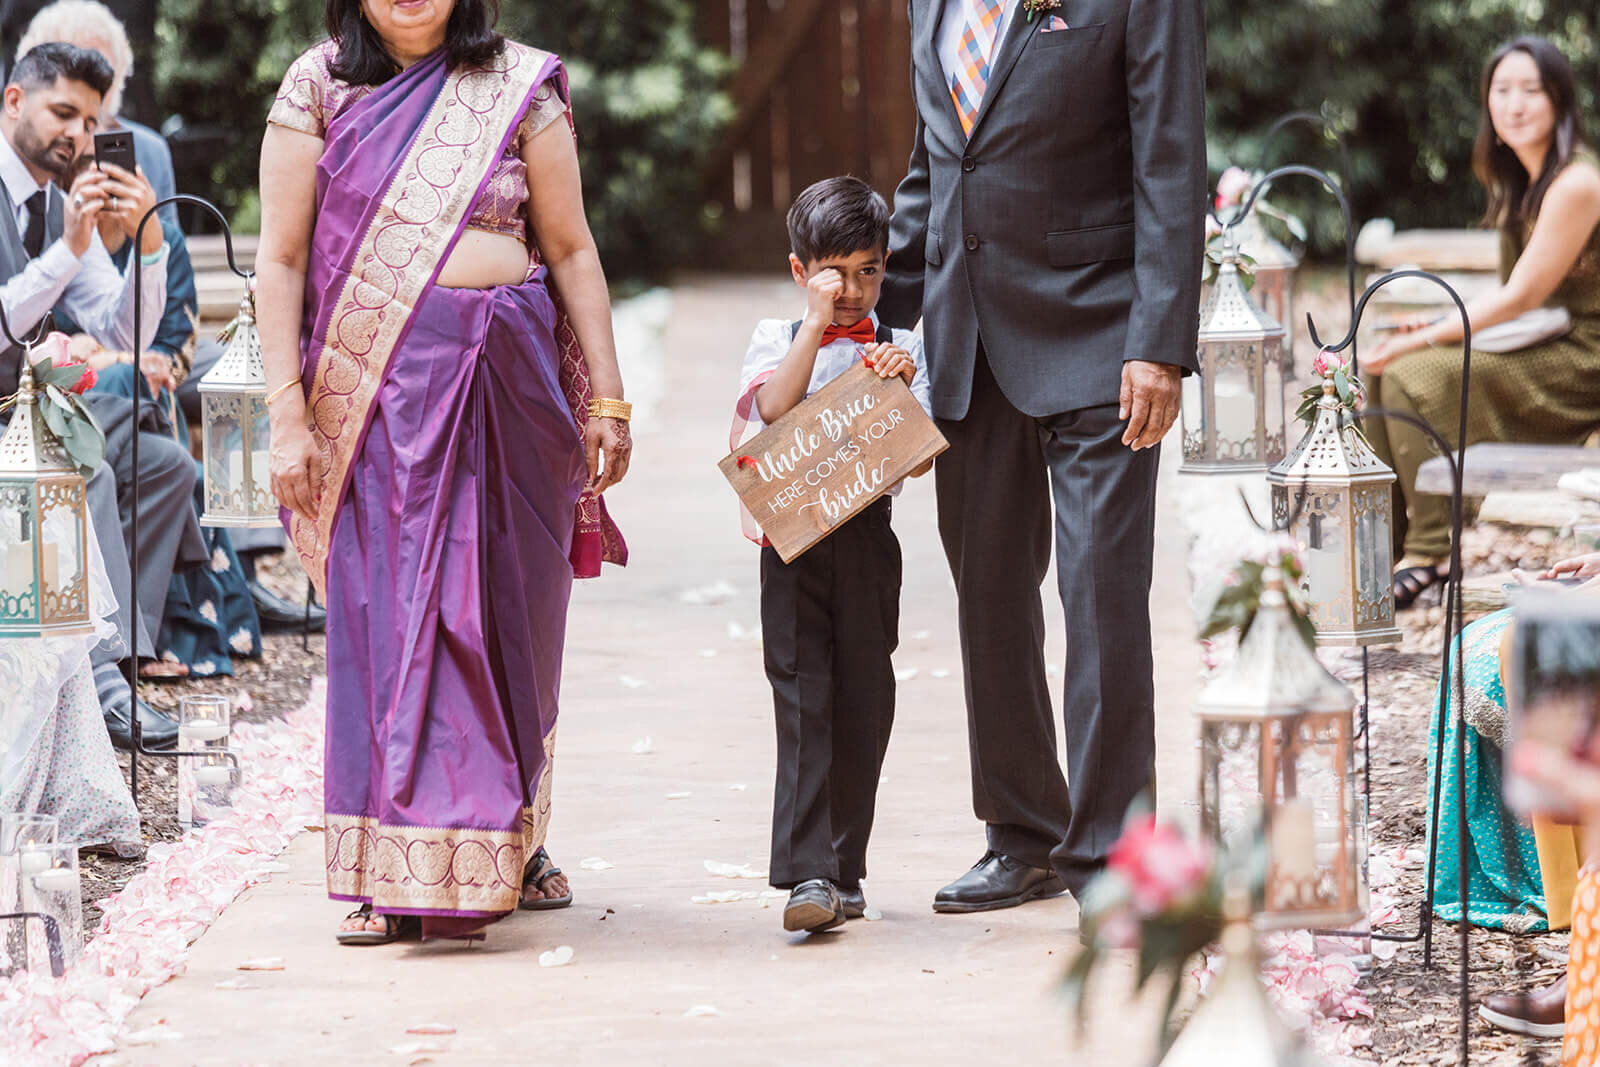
1160, 864
1233, 187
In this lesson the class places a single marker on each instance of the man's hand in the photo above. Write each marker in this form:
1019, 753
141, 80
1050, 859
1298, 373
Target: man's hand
157, 370
889, 360
85, 200
1149, 401
822, 290
130, 198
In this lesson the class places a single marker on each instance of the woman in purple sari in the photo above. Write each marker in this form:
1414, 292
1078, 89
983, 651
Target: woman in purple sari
433, 315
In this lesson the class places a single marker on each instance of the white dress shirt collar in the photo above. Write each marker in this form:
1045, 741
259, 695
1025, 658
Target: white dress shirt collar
16, 176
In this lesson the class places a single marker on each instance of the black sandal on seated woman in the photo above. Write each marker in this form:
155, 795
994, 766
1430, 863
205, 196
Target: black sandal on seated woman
1411, 582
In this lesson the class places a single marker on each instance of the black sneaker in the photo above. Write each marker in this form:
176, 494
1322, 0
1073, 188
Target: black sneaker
814, 906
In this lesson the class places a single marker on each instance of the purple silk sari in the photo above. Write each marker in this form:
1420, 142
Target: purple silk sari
453, 470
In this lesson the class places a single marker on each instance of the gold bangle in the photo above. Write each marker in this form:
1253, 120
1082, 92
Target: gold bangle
280, 390
603, 407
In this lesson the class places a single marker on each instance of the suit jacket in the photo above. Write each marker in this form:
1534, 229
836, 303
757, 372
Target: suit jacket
1068, 231
13, 259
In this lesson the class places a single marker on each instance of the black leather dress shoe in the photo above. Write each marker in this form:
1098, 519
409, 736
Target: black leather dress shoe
996, 882
160, 733
814, 906
854, 902
277, 613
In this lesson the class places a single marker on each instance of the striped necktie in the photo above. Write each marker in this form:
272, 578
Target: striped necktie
971, 76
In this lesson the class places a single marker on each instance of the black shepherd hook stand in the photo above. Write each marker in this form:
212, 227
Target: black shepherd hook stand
1453, 615
1259, 190
1309, 118
133, 539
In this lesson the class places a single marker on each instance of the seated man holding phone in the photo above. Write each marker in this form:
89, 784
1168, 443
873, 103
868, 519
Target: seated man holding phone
51, 254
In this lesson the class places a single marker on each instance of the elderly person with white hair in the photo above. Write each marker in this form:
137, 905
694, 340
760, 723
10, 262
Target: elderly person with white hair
90, 24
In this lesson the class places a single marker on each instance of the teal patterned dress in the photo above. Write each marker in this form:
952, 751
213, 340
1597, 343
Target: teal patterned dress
1505, 890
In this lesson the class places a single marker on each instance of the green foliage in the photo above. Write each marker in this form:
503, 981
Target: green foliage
1231, 604
66, 415
1399, 79
646, 100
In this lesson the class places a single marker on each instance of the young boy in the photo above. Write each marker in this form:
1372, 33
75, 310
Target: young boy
830, 619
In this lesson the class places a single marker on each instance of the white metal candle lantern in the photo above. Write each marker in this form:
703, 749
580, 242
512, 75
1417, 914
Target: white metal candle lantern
1234, 1023
1339, 496
1233, 409
235, 431
205, 770
1274, 272
44, 524
1277, 739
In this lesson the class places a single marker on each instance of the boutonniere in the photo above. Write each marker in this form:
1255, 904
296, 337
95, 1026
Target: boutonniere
1035, 7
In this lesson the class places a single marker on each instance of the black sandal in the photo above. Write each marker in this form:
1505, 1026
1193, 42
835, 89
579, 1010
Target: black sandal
1411, 582
541, 871
395, 928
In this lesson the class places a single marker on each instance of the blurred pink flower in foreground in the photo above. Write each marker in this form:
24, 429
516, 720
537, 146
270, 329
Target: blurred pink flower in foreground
1233, 187
1160, 865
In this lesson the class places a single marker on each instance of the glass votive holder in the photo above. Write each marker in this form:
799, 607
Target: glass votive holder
50, 937
25, 830
205, 770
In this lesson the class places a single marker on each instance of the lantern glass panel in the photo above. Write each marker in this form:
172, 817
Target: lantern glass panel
1194, 434
1324, 541
1272, 413
224, 454
17, 553
61, 572
1374, 555
1274, 291
259, 485
1233, 388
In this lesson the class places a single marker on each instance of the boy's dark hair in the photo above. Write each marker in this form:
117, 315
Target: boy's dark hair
835, 217
46, 63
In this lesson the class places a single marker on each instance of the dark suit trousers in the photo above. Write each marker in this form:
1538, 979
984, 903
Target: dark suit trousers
995, 488
829, 623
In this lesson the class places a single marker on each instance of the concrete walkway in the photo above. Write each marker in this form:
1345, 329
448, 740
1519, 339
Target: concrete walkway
645, 662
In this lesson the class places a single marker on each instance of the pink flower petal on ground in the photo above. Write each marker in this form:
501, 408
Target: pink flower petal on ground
431, 1028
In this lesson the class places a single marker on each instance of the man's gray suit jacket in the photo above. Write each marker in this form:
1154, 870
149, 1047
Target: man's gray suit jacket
1068, 231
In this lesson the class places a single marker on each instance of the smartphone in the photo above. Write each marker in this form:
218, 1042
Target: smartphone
115, 146
1554, 688
1511, 589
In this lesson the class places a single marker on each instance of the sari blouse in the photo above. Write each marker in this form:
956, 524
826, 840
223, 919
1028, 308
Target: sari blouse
311, 97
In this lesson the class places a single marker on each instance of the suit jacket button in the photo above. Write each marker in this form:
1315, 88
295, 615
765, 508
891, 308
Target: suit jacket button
972, 242
969, 164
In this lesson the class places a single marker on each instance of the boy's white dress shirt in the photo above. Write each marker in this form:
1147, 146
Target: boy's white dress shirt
771, 342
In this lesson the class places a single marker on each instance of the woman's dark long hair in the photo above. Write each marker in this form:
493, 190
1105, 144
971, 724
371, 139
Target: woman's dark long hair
470, 40
1514, 199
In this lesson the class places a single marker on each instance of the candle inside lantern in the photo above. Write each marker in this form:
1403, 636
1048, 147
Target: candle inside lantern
212, 774
55, 880
201, 731
32, 860
1294, 841
19, 567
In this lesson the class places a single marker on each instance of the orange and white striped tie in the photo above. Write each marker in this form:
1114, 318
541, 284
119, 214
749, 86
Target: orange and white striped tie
971, 76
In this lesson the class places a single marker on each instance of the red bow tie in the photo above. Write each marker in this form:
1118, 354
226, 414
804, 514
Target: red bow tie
863, 332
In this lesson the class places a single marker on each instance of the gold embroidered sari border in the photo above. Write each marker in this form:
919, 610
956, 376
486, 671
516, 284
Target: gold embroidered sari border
364, 330
427, 867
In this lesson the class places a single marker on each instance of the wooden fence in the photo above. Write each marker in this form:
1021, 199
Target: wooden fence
822, 87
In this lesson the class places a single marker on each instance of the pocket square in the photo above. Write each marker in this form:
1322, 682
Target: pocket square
1056, 23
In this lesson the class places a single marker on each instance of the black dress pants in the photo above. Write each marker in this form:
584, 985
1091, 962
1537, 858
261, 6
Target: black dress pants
996, 485
829, 623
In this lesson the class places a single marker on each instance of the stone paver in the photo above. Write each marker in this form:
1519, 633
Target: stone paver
913, 987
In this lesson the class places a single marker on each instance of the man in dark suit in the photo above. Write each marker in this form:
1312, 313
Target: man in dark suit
1049, 232
51, 254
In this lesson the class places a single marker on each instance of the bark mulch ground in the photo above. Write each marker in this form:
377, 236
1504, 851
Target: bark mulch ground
1417, 1010
277, 683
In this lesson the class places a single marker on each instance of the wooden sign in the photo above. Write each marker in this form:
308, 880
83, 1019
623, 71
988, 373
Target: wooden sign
830, 456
